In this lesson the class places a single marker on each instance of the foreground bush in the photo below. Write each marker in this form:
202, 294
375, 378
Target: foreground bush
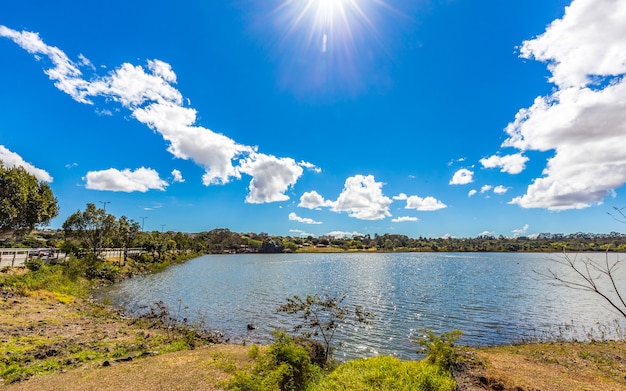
285, 366
386, 373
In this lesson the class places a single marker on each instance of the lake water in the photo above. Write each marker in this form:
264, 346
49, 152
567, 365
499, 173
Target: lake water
494, 298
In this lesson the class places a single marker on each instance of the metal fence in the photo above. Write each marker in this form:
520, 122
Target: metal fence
16, 257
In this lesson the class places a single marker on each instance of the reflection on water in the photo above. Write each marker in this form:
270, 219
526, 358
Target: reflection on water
492, 298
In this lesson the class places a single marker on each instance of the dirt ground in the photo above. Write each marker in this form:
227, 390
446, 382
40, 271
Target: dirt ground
95, 349
597, 366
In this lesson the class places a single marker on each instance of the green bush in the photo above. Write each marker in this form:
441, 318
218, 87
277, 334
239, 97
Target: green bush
34, 264
386, 373
286, 366
440, 349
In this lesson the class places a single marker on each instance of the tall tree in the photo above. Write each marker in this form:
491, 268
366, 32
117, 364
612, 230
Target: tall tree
93, 227
25, 202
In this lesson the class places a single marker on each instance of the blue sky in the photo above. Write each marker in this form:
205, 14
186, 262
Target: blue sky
310, 117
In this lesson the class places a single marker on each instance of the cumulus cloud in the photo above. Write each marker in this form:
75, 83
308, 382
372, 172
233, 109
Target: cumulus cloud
343, 234
500, 189
300, 232
11, 159
271, 177
304, 220
584, 120
177, 176
485, 188
472, 193
149, 93
521, 231
512, 164
462, 177
313, 200
404, 218
142, 180
424, 204
362, 198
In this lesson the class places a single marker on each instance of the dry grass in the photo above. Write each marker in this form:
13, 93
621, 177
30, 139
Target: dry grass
200, 369
597, 366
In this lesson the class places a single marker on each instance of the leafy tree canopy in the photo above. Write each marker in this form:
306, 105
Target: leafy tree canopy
25, 202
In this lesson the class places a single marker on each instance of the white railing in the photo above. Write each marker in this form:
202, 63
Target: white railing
16, 257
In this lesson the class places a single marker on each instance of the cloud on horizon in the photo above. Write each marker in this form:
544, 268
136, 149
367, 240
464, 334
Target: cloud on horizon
304, 220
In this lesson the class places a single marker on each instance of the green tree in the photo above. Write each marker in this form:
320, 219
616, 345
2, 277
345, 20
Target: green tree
127, 231
93, 227
25, 202
323, 317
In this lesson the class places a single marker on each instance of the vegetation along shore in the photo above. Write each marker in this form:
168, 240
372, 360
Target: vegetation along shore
54, 337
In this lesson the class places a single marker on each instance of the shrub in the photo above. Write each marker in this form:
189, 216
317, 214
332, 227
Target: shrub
440, 349
286, 366
34, 264
386, 373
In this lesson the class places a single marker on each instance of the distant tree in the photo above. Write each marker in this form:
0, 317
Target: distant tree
93, 227
25, 202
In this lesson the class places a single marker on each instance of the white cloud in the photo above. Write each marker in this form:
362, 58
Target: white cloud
310, 166
142, 180
462, 177
404, 219
304, 220
343, 234
271, 177
424, 204
522, 231
471, 193
500, 189
178, 176
362, 198
11, 159
313, 200
150, 95
400, 197
485, 188
486, 233
512, 164
584, 120
300, 232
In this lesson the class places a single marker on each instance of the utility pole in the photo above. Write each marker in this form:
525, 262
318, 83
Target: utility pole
142, 220
162, 225
105, 205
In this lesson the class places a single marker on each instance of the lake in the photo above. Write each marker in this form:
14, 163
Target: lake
494, 298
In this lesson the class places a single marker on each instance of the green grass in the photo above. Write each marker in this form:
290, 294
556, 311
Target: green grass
386, 374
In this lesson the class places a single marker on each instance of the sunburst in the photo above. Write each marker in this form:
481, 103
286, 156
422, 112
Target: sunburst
322, 23
328, 45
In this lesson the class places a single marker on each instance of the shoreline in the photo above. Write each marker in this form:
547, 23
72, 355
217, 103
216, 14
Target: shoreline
49, 337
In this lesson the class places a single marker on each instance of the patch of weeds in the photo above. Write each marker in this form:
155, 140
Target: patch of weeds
284, 366
440, 349
387, 373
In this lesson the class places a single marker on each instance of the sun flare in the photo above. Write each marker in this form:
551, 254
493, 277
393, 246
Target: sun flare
324, 23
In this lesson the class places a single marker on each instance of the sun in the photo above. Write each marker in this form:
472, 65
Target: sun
332, 47
324, 23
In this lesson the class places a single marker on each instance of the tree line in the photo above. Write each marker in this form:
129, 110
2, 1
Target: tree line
26, 203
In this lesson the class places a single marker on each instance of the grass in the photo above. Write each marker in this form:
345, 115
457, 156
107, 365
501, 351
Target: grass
386, 374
